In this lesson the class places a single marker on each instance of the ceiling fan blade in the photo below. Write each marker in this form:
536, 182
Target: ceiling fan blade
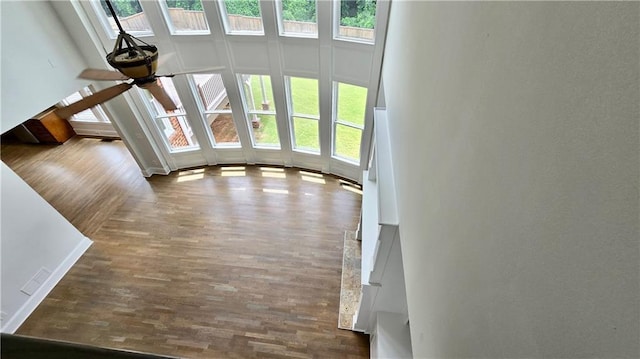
160, 94
164, 59
204, 70
102, 75
92, 100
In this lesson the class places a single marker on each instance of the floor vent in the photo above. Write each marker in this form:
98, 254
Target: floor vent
36, 282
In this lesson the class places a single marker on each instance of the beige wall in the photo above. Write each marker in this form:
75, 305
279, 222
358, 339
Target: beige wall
516, 148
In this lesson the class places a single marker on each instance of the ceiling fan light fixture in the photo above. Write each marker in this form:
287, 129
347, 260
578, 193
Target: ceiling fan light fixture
137, 61
131, 56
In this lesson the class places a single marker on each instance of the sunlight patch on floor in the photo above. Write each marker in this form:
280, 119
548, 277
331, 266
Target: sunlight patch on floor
190, 175
234, 171
273, 190
313, 179
350, 187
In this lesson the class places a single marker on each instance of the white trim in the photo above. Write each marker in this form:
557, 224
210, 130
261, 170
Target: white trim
150, 171
269, 53
33, 301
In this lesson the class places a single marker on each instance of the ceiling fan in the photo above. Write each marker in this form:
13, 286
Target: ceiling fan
134, 60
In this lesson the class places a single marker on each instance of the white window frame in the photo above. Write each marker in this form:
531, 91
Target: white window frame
205, 112
248, 112
336, 26
97, 111
113, 34
167, 18
293, 115
227, 27
281, 21
157, 113
336, 121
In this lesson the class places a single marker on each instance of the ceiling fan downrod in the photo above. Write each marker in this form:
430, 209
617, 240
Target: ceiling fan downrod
137, 61
115, 17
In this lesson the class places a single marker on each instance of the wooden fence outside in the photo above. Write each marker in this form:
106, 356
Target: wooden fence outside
135, 22
187, 20
184, 20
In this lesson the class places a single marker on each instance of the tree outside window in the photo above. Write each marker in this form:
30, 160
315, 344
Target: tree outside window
357, 19
297, 17
243, 16
130, 15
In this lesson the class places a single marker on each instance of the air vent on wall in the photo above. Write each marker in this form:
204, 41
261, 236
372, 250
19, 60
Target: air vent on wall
36, 282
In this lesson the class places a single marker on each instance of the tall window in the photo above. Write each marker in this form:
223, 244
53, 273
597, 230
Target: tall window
242, 16
185, 17
130, 15
357, 19
259, 107
304, 113
173, 125
216, 109
349, 110
297, 18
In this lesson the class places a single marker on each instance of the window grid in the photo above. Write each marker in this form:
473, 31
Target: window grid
257, 98
298, 22
133, 19
94, 114
245, 19
305, 136
213, 102
355, 21
349, 124
185, 18
347, 134
174, 126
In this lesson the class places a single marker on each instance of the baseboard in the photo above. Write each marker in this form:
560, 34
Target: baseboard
354, 328
150, 171
13, 323
93, 133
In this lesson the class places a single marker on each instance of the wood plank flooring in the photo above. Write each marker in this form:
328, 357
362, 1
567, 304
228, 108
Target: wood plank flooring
217, 262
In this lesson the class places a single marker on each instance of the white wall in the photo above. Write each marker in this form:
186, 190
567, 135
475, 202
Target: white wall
515, 135
39, 67
39, 62
33, 236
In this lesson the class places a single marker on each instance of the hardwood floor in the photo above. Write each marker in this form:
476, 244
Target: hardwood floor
217, 262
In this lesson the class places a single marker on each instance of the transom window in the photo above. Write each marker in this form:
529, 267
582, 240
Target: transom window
185, 17
356, 20
130, 15
242, 17
297, 18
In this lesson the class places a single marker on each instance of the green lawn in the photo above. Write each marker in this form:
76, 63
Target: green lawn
351, 107
267, 133
304, 92
352, 102
304, 96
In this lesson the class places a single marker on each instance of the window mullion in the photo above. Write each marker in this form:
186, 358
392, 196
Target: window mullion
349, 124
309, 117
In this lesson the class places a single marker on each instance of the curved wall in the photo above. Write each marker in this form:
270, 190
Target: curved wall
324, 58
